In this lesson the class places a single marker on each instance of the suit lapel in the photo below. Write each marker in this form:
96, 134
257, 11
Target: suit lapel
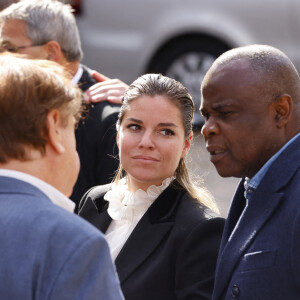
103, 221
96, 216
148, 233
234, 214
236, 242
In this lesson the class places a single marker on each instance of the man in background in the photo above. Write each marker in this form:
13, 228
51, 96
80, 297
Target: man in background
47, 29
251, 105
46, 251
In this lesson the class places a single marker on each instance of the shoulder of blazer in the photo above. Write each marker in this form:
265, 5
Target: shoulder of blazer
93, 198
93, 207
175, 202
191, 212
283, 168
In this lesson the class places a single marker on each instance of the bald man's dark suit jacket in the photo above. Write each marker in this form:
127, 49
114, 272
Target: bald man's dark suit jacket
95, 142
260, 258
172, 252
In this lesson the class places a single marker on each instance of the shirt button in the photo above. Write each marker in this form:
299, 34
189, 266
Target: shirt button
250, 191
235, 291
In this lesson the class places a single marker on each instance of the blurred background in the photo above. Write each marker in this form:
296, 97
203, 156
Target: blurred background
181, 39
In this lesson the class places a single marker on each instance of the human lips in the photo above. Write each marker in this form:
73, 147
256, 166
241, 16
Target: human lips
145, 158
216, 153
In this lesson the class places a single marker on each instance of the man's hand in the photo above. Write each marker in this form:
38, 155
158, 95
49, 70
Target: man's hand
106, 89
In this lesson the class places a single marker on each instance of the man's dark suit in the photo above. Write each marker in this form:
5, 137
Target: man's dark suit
172, 252
96, 143
260, 258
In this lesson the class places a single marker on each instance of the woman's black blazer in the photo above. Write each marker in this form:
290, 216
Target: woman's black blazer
171, 253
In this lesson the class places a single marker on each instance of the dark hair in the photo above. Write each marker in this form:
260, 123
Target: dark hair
29, 89
157, 84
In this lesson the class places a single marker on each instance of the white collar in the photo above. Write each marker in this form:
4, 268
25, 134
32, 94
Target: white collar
52, 193
77, 76
124, 204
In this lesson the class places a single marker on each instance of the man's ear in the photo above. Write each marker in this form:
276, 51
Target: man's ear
55, 137
54, 51
283, 107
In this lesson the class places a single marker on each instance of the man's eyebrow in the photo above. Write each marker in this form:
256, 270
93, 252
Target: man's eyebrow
219, 106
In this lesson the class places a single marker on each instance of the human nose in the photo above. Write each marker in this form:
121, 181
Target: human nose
210, 128
146, 140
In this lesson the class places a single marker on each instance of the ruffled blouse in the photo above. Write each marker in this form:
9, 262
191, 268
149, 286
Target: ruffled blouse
126, 209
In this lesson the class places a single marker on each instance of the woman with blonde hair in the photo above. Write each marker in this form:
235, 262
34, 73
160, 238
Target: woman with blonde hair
162, 229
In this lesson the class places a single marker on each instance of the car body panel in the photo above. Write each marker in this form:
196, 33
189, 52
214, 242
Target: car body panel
119, 38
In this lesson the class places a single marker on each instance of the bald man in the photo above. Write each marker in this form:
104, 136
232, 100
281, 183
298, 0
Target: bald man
250, 101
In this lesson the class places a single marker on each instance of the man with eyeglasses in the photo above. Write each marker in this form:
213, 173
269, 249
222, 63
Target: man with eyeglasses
47, 29
8, 47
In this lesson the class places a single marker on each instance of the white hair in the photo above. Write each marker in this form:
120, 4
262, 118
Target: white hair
48, 20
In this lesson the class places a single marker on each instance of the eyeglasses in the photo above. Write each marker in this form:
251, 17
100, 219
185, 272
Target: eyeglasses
14, 49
